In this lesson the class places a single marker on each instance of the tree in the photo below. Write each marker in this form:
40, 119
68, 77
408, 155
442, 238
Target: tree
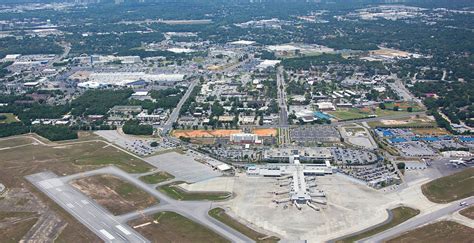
410, 109
154, 144
382, 106
396, 108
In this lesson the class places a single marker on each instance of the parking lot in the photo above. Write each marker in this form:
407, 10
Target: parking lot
414, 149
140, 146
352, 156
183, 166
312, 134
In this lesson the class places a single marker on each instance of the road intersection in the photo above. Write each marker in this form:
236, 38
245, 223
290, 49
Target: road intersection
114, 228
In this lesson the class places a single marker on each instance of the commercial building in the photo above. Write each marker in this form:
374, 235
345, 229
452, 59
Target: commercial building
244, 138
304, 154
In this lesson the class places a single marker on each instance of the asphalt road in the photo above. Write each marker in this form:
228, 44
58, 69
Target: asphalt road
282, 97
87, 211
417, 221
194, 210
175, 114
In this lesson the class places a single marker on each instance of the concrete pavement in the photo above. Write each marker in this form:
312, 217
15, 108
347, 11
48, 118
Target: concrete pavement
194, 210
87, 211
175, 113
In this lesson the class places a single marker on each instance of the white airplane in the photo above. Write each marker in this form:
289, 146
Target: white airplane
457, 162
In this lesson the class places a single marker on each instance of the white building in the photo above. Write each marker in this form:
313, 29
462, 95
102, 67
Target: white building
244, 138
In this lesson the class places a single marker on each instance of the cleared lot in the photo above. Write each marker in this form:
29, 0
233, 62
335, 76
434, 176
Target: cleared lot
116, 195
183, 167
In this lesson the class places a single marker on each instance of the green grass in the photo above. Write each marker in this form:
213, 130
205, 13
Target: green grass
219, 214
173, 191
157, 177
10, 118
173, 227
103, 156
403, 106
347, 114
442, 231
400, 215
450, 188
355, 113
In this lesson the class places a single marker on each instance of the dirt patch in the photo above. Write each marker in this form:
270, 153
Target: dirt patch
468, 212
265, 132
444, 231
14, 225
116, 195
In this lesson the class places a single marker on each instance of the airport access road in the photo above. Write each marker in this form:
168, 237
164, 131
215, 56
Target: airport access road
417, 221
175, 113
85, 210
282, 97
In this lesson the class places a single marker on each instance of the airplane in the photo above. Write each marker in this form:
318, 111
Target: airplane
457, 162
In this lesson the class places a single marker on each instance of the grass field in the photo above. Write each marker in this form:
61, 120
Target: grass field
219, 214
13, 142
14, 225
468, 212
157, 177
356, 113
440, 232
10, 118
450, 188
177, 193
403, 106
172, 227
423, 123
400, 215
349, 113
62, 159
116, 195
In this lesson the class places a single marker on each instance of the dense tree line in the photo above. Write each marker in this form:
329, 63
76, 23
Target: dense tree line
55, 133
3, 69
28, 45
133, 127
98, 102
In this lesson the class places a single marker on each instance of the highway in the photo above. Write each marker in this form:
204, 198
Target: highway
282, 97
98, 219
417, 221
175, 113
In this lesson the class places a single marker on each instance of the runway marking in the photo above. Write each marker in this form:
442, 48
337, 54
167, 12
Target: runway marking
121, 228
85, 202
59, 189
107, 234
70, 205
